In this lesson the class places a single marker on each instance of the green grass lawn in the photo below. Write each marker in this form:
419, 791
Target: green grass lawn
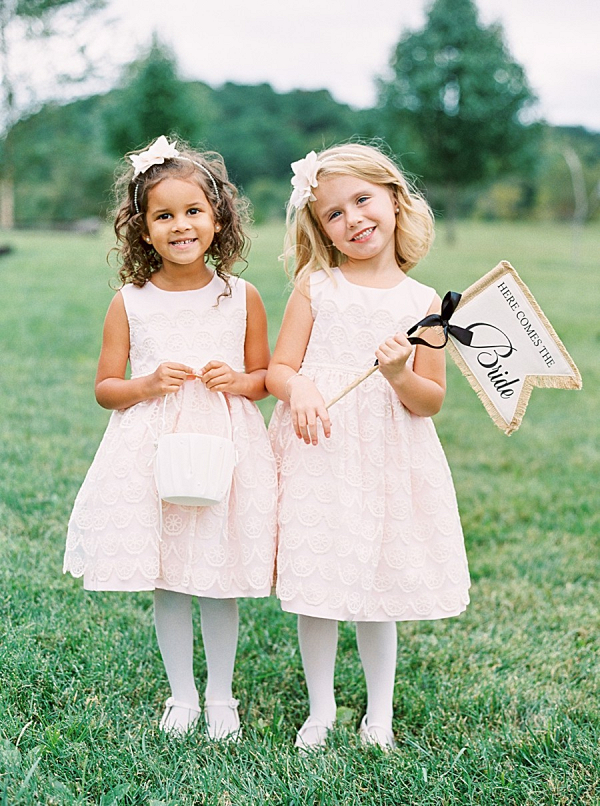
500, 706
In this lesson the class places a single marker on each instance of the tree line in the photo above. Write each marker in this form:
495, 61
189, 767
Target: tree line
454, 111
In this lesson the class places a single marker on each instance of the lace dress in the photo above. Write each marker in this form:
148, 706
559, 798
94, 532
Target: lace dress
368, 522
114, 538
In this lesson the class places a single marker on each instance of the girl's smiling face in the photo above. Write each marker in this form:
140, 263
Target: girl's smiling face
180, 222
358, 217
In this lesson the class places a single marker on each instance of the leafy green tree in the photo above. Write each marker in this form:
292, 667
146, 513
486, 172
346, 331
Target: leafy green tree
457, 104
25, 19
62, 168
260, 131
152, 101
65, 154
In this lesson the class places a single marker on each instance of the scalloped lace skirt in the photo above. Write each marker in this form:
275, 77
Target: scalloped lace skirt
368, 524
114, 537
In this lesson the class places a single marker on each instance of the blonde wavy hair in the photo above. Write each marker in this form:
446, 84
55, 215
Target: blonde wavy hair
138, 260
307, 246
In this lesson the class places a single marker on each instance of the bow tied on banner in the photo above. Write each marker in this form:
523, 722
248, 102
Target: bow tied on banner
501, 342
440, 322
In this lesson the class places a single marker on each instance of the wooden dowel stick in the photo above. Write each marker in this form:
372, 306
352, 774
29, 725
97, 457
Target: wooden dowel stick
366, 374
353, 385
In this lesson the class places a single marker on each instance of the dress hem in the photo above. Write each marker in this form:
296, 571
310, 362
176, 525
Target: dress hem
377, 617
211, 593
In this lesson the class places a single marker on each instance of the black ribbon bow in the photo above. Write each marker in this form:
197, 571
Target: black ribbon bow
461, 334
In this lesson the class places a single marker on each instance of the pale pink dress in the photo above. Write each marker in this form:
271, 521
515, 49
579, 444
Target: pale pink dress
114, 539
368, 522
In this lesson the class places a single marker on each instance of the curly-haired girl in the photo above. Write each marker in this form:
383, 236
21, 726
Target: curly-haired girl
189, 329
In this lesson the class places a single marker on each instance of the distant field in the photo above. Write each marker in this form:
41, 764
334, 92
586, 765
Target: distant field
500, 706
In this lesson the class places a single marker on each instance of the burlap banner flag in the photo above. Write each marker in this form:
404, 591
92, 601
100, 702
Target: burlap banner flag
501, 341
513, 346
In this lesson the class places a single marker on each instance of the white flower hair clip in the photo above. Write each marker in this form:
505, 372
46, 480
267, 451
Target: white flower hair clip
304, 180
159, 151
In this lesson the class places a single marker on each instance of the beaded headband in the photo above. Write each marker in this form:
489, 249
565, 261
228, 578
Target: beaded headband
158, 152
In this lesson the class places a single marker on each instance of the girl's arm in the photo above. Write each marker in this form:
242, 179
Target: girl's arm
113, 391
218, 376
421, 389
306, 403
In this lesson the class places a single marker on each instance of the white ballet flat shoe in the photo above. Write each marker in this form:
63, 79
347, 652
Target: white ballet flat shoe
377, 735
312, 735
178, 723
218, 728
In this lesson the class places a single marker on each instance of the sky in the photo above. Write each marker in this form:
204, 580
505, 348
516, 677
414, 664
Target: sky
343, 45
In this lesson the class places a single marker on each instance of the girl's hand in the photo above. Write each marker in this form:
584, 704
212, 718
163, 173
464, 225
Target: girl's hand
219, 377
307, 405
392, 356
167, 378
420, 387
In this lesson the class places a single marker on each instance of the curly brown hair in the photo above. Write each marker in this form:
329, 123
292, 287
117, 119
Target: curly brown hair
138, 260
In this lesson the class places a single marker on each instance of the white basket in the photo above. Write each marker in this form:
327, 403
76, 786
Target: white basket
194, 470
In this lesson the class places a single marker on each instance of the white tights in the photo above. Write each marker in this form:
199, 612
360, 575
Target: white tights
377, 644
175, 635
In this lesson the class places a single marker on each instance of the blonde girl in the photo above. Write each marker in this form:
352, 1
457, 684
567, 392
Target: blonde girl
369, 529
188, 328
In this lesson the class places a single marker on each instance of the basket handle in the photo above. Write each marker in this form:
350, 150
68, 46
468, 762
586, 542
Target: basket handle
227, 414
223, 403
